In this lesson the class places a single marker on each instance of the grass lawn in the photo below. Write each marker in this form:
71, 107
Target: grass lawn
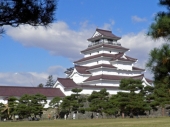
141, 122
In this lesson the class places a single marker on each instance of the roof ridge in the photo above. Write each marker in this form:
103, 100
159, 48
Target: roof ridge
64, 78
103, 30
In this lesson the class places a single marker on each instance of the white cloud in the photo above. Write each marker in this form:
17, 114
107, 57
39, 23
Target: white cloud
30, 78
22, 78
138, 19
108, 26
56, 71
59, 39
63, 41
140, 46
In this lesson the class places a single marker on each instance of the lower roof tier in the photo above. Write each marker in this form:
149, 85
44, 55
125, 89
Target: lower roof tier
114, 77
86, 70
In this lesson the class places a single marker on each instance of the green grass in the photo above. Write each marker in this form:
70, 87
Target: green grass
141, 122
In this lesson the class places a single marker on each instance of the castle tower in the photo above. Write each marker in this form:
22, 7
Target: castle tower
103, 66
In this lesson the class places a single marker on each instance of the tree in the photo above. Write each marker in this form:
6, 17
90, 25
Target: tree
120, 100
38, 102
31, 105
110, 107
2, 109
66, 105
149, 97
98, 101
158, 63
162, 96
41, 85
77, 101
74, 102
159, 58
50, 81
12, 107
24, 107
32, 12
161, 26
131, 99
56, 103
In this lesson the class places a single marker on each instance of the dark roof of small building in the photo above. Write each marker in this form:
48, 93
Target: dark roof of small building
19, 91
104, 34
103, 46
82, 69
112, 77
67, 82
112, 57
93, 86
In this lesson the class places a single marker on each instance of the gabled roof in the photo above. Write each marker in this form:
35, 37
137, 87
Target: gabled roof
112, 77
67, 82
82, 69
19, 91
104, 46
104, 34
112, 57
121, 58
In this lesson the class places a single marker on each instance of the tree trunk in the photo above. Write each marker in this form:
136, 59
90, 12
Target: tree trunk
123, 115
163, 111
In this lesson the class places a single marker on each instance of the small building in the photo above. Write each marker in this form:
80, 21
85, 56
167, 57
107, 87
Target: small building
16, 91
103, 66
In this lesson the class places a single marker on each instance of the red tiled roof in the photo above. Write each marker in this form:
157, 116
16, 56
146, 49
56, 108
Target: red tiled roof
19, 91
136, 68
66, 82
112, 56
82, 69
106, 34
102, 65
103, 46
93, 86
70, 84
95, 56
149, 81
119, 57
112, 77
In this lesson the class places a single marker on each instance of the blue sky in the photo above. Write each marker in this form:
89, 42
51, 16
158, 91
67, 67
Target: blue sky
28, 55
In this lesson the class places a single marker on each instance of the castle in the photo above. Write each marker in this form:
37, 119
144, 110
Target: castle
103, 66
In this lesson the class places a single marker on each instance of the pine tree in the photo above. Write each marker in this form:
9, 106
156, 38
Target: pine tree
161, 26
56, 104
131, 99
98, 101
33, 12
50, 81
74, 102
158, 63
